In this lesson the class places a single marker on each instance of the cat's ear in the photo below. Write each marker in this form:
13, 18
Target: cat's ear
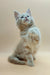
28, 11
16, 14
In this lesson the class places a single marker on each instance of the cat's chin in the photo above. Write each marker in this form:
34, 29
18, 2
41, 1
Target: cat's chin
26, 23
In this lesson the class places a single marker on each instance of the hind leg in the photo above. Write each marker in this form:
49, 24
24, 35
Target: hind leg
34, 58
15, 60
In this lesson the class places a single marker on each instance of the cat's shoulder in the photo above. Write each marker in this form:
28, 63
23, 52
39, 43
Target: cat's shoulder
34, 27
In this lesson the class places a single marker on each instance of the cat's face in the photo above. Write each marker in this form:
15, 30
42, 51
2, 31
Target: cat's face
24, 20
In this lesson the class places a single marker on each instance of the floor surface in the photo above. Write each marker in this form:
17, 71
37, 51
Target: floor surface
42, 65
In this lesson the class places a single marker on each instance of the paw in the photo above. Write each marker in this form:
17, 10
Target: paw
32, 35
32, 31
29, 63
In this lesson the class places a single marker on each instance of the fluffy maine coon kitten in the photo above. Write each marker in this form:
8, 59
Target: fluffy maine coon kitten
30, 40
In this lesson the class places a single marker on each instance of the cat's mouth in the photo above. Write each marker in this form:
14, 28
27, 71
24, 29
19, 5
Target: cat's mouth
26, 20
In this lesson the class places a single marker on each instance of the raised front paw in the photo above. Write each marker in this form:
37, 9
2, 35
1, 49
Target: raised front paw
34, 37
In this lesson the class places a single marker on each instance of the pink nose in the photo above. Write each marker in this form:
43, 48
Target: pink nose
26, 17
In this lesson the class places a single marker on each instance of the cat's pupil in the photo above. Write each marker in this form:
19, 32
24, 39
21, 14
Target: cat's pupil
22, 16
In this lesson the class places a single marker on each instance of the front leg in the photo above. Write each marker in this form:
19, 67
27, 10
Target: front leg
34, 35
33, 38
30, 61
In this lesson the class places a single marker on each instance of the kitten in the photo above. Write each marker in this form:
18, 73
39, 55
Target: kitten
30, 40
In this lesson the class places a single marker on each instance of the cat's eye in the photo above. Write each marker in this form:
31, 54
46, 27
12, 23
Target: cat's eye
27, 16
22, 16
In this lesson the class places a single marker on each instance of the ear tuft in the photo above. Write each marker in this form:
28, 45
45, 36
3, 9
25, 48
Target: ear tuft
29, 11
16, 14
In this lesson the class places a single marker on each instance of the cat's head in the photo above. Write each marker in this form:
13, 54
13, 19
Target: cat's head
24, 20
